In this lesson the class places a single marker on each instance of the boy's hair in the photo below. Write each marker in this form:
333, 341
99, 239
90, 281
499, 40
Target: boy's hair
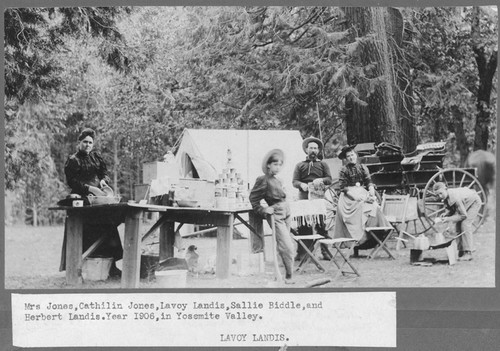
274, 158
438, 186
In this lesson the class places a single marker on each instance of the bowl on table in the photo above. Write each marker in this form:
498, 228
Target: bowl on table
188, 203
103, 200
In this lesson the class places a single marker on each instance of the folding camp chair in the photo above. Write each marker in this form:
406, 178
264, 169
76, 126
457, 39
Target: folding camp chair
381, 235
309, 249
394, 208
338, 245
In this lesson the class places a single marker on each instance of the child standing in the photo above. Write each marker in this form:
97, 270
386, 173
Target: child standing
269, 188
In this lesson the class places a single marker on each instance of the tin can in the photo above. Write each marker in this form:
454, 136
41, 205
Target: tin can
77, 203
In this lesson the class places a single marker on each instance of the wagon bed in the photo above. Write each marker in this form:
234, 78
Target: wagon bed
414, 174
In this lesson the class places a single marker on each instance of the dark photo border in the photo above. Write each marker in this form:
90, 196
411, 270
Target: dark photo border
427, 318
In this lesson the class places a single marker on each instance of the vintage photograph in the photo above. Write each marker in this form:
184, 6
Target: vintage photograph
250, 147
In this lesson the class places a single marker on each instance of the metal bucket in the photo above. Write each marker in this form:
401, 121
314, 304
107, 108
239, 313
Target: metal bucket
96, 268
415, 255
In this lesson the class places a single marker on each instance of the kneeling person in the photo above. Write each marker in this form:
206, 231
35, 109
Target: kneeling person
463, 205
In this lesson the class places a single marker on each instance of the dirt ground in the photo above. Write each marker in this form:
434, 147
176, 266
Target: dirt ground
32, 260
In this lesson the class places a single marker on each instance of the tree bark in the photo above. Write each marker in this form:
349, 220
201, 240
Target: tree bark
34, 213
486, 69
116, 160
460, 135
387, 117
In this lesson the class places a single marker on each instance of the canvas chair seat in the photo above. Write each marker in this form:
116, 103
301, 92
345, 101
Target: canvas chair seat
395, 210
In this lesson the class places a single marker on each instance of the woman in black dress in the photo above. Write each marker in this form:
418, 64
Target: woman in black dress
86, 172
86, 175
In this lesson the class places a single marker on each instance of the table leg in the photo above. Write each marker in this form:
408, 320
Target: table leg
167, 239
224, 239
131, 250
74, 243
256, 239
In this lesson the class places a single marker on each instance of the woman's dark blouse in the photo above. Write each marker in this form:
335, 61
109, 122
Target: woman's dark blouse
270, 189
83, 169
354, 173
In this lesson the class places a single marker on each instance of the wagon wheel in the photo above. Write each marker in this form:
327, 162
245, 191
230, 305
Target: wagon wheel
453, 178
332, 194
424, 223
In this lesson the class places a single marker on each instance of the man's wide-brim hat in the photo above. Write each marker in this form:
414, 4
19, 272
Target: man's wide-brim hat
345, 150
276, 153
312, 140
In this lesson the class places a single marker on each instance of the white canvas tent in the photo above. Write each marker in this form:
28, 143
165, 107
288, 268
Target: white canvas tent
203, 153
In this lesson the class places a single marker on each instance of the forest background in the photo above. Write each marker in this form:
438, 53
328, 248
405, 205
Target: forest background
140, 75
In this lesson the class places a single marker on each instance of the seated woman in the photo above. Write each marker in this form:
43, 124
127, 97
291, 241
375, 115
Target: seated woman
86, 175
356, 189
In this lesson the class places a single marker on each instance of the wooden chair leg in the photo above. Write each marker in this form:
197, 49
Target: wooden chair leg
381, 245
346, 259
309, 256
400, 236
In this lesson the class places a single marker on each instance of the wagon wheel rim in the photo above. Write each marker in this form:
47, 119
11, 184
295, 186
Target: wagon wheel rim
331, 200
453, 178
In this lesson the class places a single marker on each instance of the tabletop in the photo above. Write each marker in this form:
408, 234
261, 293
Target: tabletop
156, 208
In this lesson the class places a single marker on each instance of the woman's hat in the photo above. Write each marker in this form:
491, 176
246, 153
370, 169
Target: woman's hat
345, 150
275, 153
312, 139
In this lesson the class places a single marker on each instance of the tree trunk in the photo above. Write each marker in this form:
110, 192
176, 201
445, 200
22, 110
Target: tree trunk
486, 69
460, 135
116, 161
34, 212
387, 114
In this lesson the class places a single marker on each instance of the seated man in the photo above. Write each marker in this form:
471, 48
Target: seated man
463, 205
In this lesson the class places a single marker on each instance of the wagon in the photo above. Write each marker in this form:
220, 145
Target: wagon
413, 174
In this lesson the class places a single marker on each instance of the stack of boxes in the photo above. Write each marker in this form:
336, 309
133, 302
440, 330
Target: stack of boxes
163, 186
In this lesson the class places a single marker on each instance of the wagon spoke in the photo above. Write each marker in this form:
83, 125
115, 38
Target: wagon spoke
462, 181
471, 184
436, 212
427, 225
433, 203
446, 182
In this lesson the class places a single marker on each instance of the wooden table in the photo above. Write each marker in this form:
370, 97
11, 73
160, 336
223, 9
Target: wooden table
223, 219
